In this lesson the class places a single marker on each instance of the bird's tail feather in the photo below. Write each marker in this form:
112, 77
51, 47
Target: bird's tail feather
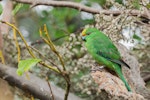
124, 80
124, 63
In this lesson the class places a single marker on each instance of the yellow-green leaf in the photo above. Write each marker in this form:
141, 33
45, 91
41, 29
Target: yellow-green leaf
25, 65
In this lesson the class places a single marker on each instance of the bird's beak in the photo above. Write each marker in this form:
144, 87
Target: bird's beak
83, 32
83, 38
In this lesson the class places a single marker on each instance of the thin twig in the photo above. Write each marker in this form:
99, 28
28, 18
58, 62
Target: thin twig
50, 44
17, 44
53, 47
42, 55
14, 27
40, 41
67, 88
65, 75
51, 94
82, 7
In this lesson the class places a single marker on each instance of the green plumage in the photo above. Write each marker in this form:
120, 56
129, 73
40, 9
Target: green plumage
104, 51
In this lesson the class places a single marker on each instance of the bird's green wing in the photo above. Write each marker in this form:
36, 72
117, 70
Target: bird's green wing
103, 46
117, 61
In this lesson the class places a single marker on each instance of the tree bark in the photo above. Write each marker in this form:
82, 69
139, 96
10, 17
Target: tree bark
37, 87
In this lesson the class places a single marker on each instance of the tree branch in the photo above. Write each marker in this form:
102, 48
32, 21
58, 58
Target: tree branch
81, 7
36, 86
112, 88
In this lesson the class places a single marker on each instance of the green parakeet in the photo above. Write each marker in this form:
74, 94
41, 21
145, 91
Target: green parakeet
104, 51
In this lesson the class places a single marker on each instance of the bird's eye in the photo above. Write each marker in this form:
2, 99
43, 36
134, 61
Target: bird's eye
88, 33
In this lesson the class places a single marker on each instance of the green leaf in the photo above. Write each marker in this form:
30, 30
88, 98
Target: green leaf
25, 65
1, 9
136, 37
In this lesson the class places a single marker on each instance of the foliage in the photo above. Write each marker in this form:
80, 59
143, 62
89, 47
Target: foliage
59, 21
25, 65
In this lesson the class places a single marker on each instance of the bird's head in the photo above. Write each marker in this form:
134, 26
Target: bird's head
86, 32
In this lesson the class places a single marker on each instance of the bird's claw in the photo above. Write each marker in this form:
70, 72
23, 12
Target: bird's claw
99, 68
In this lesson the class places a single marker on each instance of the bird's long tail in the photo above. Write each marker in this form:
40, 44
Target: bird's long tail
120, 74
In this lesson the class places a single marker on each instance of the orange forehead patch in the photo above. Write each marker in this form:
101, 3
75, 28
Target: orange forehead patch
83, 32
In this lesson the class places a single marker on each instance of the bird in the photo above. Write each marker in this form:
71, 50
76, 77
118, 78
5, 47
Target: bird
104, 52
